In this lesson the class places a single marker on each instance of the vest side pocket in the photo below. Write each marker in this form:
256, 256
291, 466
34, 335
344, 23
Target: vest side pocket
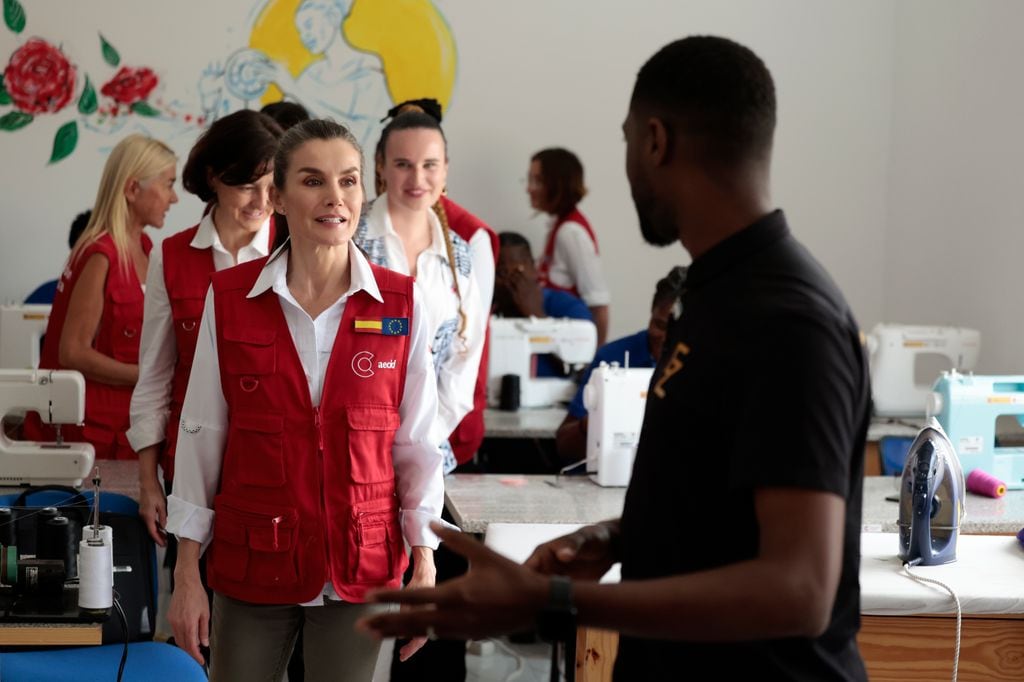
255, 450
375, 537
371, 433
252, 542
126, 330
187, 314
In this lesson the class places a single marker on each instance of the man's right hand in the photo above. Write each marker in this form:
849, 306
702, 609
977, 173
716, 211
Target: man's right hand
190, 615
583, 555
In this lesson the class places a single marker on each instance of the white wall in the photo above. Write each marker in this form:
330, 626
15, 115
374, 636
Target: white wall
956, 207
531, 74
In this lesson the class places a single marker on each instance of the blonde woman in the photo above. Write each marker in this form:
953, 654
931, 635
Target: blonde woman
96, 320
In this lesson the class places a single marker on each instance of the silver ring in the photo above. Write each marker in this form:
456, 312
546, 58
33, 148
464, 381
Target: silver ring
431, 634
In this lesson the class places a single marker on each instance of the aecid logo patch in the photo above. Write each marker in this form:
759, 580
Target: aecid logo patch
363, 364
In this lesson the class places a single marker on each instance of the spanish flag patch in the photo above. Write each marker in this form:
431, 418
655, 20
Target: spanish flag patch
388, 326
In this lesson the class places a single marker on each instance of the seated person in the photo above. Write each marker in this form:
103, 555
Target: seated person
45, 292
644, 349
519, 293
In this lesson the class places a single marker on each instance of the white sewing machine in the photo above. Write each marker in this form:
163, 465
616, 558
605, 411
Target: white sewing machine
21, 330
516, 340
59, 398
907, 359
615, 398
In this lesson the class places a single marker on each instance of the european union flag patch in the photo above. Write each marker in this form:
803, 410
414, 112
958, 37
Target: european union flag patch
387, 326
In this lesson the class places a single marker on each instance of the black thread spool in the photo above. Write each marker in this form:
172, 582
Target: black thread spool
41, 517
56, 541
509, 396
7, 526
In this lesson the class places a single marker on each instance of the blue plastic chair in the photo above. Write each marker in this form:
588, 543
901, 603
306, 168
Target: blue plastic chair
894, 451
147, 662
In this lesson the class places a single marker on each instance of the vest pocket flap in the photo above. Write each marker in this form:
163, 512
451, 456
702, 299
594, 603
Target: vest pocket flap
253, 336
187, 308
261, 423
126, 295
372, 534
263, 529
373, 418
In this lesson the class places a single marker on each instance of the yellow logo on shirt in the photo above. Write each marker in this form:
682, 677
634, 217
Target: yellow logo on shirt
674, 364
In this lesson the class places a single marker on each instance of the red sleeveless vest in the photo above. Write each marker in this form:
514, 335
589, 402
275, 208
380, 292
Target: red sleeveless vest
307, 494
548, 257
469, 434
106, 406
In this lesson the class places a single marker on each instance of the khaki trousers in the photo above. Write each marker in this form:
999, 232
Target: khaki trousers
251, 642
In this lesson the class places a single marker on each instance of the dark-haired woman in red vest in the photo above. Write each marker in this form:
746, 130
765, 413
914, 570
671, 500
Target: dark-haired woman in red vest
570, 261
307, 457
230, 169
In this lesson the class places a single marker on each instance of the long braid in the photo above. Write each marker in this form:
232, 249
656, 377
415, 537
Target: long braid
443, 217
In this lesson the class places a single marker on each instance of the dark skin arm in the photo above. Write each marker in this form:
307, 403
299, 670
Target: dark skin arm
787, 590
571, 439
85, 308
600, 315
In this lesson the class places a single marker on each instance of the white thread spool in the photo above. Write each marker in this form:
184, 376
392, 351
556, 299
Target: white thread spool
96, 568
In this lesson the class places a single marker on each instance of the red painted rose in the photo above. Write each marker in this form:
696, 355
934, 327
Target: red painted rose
130, 85
39, 78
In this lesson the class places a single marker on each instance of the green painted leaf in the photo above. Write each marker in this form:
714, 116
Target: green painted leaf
110, 55
14, 120
143, 109
87, 101
14, 15
64, 141
5, 97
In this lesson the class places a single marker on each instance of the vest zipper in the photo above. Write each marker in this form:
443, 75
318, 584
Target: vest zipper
323, 501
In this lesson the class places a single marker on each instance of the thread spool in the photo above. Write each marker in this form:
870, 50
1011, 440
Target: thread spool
7, 526
982, 483
57, 542
95, 570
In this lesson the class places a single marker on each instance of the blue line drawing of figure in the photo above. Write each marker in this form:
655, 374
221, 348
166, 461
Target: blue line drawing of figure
345, 84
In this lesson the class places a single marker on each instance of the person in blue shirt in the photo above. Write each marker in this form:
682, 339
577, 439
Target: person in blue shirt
518, 293
644, 349
45, 292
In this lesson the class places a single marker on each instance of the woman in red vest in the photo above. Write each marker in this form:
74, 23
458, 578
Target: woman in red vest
570, 260
307, 455
230, 169
96, 319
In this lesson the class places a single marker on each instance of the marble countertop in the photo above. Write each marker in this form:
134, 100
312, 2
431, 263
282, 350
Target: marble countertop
541, 422
983, 515
893, 426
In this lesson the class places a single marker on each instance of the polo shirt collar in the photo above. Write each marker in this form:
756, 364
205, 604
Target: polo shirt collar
737, 247
274, 274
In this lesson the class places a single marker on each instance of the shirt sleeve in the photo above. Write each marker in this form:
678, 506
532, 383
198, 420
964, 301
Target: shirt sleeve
483, 265
416, 453
456, 381
575, 248
158, 352
200, 448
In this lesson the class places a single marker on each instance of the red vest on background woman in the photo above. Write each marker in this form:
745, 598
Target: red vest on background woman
106, 406
548, 257
187, 272
307, 494
469, 434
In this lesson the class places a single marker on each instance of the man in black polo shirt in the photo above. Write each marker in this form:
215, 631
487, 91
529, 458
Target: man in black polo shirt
740, 536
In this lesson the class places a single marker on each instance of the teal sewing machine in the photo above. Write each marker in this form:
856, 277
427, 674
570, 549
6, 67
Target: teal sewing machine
968, 407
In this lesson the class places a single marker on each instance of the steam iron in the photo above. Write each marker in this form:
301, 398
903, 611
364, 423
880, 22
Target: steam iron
931, 499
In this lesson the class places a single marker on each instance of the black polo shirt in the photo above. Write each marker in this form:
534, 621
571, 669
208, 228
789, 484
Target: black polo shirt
763, 383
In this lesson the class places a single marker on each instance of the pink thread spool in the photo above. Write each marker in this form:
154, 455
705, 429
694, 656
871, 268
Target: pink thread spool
985, 484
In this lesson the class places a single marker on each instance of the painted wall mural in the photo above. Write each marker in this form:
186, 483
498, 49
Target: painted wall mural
349, 60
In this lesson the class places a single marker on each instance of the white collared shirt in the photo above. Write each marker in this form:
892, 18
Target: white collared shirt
204, 418
576, 263
456, 360
158, 347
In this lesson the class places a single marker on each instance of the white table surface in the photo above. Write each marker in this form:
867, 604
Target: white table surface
540, 422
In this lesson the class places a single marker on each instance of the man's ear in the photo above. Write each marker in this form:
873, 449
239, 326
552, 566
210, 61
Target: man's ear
658, 141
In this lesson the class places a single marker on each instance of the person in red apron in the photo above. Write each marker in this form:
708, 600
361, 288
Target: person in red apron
307, 458
96, 320
230, 169
570, 261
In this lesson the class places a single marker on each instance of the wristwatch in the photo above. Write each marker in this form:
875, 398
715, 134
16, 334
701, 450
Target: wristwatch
556, 622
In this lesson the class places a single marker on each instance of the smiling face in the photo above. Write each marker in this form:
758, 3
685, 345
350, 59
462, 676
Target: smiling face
150, 199
322, 194
415, 168
246, 206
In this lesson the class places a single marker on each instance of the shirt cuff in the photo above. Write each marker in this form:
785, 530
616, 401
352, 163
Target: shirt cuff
190, 521
593, 299
148, 431
416, 528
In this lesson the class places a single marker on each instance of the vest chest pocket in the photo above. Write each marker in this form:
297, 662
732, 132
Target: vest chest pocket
248, 351
187, 314
126, 327
252, 542
371, 433
254, 453
376, 535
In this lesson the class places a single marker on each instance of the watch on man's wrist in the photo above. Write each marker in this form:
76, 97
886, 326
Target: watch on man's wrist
556, 622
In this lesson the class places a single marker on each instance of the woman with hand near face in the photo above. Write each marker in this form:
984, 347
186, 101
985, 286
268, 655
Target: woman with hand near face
306, 457
229, 168
96, 320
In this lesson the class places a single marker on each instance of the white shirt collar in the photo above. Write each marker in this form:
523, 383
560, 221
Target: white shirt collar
206, 236
379, 224
274, 274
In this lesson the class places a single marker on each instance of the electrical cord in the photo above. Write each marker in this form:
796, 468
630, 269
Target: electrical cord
520, 665
124, 627
956, 600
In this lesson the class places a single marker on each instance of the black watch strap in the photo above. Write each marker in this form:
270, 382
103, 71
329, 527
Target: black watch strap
557, 620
